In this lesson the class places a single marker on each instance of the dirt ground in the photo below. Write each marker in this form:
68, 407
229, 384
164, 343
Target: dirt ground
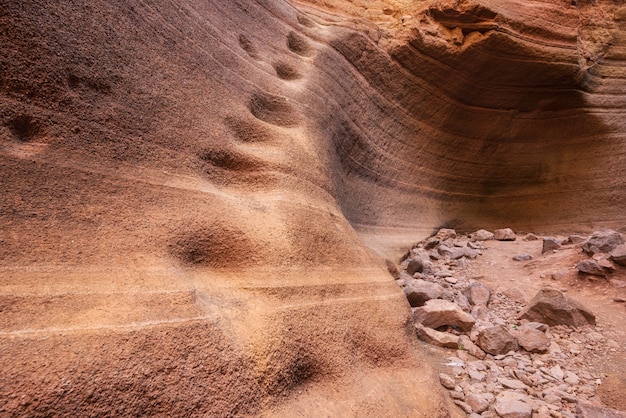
497, 269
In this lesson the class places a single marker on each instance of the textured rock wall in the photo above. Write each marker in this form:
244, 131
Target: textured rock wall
191, 192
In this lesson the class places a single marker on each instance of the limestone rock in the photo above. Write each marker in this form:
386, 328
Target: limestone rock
505, 234
481, 235
550, 244
437, 312
477, 294
618, 255
552, 307
420, 291
511, 404
434, 337
590, 267
603, 241
496, 340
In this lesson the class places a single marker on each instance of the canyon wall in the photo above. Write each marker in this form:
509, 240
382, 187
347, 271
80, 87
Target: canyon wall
197, 195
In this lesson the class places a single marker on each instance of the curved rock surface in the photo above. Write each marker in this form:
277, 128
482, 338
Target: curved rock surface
194, 193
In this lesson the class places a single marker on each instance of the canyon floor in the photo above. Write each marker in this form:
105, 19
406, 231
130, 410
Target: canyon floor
513, 283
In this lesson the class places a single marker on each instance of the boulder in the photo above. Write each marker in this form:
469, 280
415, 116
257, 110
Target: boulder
590, 267
415, 265
603, 241
479, 402
466, 252
586, 410
505, 234
531, 237
618, 255
461, 300
522, 257
575, 239
531, 339
496, 340
477, 294
481, 235
434, 337
445, 233
511, 404
466, 344
438, 312
420, 291
447, 381
552, 307
550, 244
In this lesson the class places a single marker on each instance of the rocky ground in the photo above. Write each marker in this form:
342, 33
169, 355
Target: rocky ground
503, 354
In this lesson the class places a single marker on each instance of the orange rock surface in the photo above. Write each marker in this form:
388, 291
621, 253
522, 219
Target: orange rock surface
197, 196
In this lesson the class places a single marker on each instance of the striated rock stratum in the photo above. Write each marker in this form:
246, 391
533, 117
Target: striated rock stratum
196, 195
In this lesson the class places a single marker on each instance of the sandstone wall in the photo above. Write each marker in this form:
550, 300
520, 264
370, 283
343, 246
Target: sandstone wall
194, 193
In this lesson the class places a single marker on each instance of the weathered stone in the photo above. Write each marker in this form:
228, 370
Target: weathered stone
516, 294
512, 384
480, 312
479, 402
466, 252
550, 306
392, 269
575, 239
467, 345
590, 267
496, 340
618, 255
447, 381
444, 250
531, 237
550, 244
585, 410
481, 235
522, 257
531, 339
445, 233
511, 404
603, 241
438, 312
434, 337
461, 300
415, 265
477, 294
420, 291
505, 234
464, 406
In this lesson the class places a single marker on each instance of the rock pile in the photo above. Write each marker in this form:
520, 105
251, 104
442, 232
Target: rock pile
512, 359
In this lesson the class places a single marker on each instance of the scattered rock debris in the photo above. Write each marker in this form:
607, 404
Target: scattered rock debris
514, 357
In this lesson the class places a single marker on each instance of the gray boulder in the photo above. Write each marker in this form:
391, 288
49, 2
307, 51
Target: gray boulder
618, 255
591, 267
550, 244
603, 241
415, 265
551, 307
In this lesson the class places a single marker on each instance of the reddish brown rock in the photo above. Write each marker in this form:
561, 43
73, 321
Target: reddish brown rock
618, 255
437, 312
496, 340
434, 337
603, 242
552, 307
505, 234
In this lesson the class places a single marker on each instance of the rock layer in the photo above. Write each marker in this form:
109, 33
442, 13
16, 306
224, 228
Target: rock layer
188, 186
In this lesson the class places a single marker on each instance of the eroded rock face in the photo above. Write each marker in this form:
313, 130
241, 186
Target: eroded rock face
205, 178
